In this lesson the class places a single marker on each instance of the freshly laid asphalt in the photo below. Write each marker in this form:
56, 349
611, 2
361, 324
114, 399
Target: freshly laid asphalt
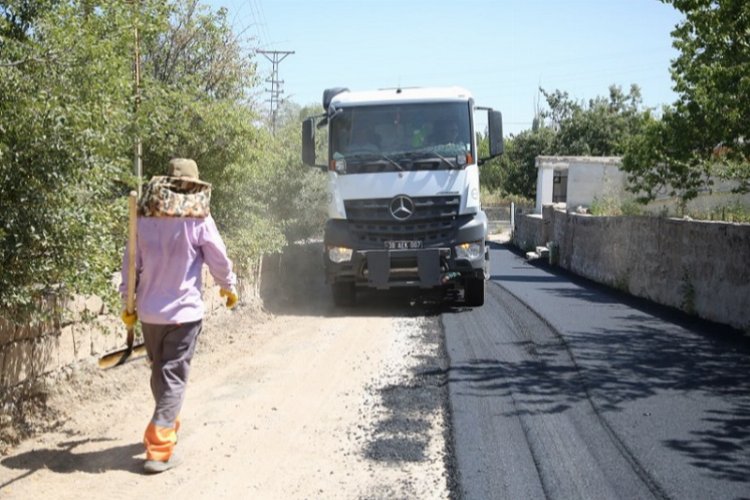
561, 388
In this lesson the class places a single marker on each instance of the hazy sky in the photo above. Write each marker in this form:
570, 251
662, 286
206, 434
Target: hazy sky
500, 50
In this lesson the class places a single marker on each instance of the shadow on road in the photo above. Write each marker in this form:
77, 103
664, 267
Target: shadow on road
64, 459
644, 358
720, 449
651, 352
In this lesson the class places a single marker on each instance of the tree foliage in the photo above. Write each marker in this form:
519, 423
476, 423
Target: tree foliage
298, 198
197, 76
705, 132
514, 173
602, 126
69, 119
62, 135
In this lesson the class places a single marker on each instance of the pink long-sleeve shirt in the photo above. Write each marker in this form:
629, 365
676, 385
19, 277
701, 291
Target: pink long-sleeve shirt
170, 255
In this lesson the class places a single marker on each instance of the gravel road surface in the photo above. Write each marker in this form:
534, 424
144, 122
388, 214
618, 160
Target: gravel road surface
284, 406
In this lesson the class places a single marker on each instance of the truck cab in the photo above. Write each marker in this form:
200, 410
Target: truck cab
403, 182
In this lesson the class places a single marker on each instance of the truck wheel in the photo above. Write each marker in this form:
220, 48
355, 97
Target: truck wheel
474, 292
344, 293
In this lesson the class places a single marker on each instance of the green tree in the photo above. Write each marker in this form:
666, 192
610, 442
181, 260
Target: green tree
705, 132
68, 123
520, 161
599, 128
514, 173
196, 103
18, 18
298, 195
64, 98
67, 127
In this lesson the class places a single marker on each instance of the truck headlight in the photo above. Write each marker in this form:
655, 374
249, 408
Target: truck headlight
339, 254
470, 251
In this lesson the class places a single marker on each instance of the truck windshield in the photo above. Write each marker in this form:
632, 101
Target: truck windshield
425, 136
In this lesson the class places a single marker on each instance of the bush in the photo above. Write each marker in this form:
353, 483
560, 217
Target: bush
64, 107
613, 206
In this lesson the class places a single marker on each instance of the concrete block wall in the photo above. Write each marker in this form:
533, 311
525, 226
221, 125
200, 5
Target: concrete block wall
699, 267
527, 232
78, 329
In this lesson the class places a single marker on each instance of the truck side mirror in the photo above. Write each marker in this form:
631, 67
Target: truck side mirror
495, 132
308, 142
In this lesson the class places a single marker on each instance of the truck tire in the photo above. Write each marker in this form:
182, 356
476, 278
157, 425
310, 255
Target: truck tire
474, 292
344, 293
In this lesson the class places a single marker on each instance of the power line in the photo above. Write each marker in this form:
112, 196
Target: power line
262, 18
259, 20
275, 56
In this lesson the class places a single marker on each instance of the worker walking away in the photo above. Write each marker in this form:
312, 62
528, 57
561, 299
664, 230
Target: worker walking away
176, 236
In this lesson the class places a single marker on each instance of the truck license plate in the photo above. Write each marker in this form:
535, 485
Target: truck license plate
403, 245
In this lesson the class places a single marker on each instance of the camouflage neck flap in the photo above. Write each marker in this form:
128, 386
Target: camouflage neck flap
166, 196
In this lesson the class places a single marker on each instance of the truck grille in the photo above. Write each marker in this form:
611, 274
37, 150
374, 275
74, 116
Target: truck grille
434, 221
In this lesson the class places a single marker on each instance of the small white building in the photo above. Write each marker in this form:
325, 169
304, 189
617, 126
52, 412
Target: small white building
575, 181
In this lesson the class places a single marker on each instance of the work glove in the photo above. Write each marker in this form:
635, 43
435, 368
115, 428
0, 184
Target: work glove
231, 295
129, 319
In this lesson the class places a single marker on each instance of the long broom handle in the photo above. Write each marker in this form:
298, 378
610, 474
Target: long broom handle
118, 358
132, 235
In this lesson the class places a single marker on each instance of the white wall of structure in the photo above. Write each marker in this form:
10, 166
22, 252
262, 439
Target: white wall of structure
588, 178
546, 166
592, 178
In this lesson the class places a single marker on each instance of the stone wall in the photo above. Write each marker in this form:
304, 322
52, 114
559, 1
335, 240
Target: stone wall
78, 329
528, 231
699, 267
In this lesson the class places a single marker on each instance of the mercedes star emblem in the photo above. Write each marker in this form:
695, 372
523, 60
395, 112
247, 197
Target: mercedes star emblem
402, 207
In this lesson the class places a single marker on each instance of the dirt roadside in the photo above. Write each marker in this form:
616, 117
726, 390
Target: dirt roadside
278, 406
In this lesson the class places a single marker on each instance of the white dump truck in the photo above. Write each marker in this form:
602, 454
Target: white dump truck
403, 190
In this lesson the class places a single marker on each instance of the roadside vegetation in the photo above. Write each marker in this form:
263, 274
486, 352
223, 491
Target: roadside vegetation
70, 118
496, 198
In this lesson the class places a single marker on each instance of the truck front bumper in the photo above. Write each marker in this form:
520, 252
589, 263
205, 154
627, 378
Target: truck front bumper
430, 267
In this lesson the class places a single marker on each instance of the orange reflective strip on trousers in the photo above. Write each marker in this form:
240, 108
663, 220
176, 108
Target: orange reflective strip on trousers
159, 442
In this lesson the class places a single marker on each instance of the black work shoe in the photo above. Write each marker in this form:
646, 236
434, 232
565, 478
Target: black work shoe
157, 466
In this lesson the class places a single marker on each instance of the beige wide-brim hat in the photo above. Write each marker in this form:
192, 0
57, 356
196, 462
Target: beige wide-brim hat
184, 169
180, 193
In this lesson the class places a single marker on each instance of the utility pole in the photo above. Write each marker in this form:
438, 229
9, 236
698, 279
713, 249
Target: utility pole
137, 147
275, 56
